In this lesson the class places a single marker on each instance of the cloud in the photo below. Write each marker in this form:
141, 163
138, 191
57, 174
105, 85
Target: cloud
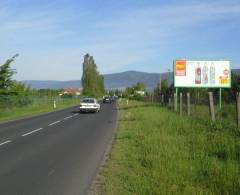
137, 35
62, 64
54, 37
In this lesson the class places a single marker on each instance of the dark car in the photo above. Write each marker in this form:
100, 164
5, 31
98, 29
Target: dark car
112, 98
107, 100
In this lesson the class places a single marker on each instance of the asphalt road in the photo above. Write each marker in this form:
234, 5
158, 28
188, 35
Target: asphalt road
56, 153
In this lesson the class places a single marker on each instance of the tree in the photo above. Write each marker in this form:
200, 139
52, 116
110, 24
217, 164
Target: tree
162, 89
12, 93
140, 86
92, 81
6, 74
229, 94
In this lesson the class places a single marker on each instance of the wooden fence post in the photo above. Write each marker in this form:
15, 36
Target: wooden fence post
238, 110
188, 104
181, 104
175, 102
169, 102
211, 106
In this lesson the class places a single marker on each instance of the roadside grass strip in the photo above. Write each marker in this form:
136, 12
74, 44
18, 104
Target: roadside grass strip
158, 152
34, 109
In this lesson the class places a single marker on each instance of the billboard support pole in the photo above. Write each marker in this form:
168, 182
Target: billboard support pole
176, 100
220, 98
238, 110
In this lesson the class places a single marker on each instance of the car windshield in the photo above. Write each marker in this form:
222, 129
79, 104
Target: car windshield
88, 101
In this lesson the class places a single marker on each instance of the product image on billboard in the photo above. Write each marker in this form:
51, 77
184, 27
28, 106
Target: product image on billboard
188, 73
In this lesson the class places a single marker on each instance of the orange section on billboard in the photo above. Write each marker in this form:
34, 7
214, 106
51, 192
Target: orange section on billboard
180, 68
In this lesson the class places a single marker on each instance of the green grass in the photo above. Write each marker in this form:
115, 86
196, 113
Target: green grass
158, 152
38, 107
227, 113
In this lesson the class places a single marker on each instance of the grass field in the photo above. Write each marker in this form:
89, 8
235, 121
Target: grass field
37, 107
226, 114
158, 152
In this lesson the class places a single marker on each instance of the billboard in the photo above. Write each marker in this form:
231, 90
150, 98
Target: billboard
189, 73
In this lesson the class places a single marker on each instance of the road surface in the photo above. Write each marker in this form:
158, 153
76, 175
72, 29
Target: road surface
56, 153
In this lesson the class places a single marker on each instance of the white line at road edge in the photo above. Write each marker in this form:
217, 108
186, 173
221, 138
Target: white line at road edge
75, 114
32, 132
67, 117
6, 142
54, 123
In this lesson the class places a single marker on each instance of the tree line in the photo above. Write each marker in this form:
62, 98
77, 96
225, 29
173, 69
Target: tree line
17, 94
166, 89
200, 95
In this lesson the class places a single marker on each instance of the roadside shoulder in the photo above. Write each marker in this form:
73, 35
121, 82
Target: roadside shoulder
96, 184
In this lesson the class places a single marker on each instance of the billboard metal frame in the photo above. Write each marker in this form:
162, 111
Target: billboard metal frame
220, 88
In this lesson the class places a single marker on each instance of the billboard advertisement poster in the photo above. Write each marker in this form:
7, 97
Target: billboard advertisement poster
190, 73
181, 68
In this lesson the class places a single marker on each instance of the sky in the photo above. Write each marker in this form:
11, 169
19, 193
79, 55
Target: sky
51, 37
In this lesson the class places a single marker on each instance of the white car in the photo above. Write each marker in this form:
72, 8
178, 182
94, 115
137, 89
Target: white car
89, 105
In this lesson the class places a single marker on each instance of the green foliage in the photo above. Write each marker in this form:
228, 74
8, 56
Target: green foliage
118, 92
139, 87
6, 74
67, 96
131, 92
12, 93
38, 105
199, 96
92, 81
137, 97
17, 95
230, 94
162, 87
47, 92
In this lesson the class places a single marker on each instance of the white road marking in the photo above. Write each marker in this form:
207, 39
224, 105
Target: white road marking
68, 117
54, 123
34, 131
6, 142
75, 114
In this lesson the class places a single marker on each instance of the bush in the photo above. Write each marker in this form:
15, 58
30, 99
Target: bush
137, 97
10, 101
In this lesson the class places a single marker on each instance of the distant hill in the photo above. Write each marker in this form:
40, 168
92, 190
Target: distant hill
112, 81
130, 78
39, 84
236, 71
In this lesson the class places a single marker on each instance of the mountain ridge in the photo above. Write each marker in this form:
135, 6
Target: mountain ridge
119, 80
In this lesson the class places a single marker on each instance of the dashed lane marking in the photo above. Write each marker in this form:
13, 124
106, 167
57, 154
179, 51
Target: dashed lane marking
6, 142
54, 123
34, 131
68, 117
